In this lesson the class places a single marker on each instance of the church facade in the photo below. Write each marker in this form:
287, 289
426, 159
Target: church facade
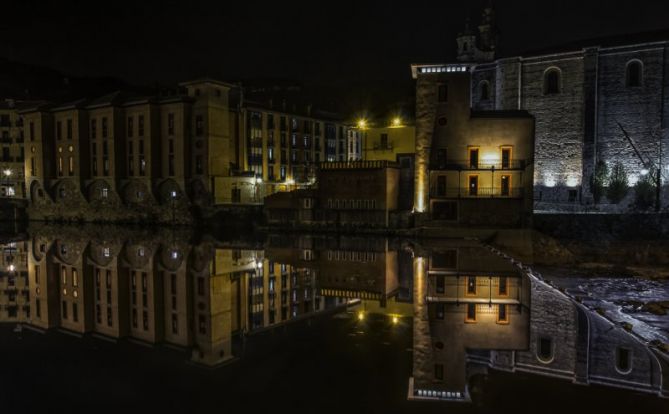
602, 100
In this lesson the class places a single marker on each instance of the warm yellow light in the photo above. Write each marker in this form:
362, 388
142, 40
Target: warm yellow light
397, 121
361, 315
362, 123
290, 181
395, 320
12, 268
7, 172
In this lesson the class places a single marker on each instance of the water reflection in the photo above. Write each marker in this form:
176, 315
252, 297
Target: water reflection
472, 312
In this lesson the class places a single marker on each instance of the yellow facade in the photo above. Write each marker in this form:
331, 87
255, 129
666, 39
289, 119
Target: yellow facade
386, 143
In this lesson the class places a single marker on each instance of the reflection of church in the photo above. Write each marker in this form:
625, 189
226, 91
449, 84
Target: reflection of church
476, 313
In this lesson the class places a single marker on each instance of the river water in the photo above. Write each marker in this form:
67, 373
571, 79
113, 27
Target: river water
161, 319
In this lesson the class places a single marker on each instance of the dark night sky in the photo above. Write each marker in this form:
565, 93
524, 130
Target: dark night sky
342, 44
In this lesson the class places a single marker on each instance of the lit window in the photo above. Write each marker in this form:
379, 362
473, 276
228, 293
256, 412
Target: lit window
106, 252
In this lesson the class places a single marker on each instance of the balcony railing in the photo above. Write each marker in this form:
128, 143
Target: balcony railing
480, 165
480, 192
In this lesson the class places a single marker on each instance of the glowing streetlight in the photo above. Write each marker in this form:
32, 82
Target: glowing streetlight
397, 121
11, 268
361, 316
362, 123
644, 172
395, 320
258, 180
7, 172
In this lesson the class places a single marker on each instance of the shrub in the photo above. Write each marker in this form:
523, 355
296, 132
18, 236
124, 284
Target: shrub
644, 192
618, 186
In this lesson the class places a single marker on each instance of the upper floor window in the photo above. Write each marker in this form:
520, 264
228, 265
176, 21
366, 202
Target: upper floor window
130, 126
170, 124
484, 91
199, 125
552, 81
634, 74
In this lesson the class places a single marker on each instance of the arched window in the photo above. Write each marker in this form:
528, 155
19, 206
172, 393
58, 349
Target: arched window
484, 91
545, 349
634, 73
552, 81
623, 360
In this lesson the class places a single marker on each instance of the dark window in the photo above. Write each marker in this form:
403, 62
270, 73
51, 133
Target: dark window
170, 124
198, 164
471, 311
573, 194
200, 286
503, 287
199, 125
545, 348
443, 93
104, 127
130, 126
506, 157
441, 185
438, 371
485, 91
634, 74
440, 310
32, 131
441, 283
623, 360
501, 313
552, 82
94, 127
140, 125
69, 129
384, 141
64, 313
59, 130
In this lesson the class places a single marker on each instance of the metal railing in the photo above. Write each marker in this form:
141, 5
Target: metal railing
480, 192
480, 165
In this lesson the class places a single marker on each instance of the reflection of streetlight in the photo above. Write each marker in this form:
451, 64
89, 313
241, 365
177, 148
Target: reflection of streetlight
361, 316
7, 172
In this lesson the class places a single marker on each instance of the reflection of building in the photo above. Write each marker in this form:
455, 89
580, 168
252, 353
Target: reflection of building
466, 299
469, 163
152, 289
14, 285
476, 314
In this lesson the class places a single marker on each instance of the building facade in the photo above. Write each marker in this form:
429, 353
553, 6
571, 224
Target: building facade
603, 100
469, 163
122, 157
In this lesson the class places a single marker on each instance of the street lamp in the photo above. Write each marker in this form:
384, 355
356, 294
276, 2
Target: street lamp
397, 121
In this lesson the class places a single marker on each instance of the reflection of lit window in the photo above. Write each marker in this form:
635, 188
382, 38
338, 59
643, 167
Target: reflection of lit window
11, 191
502, 316
140, 252
471, 312
175, 255
106, 252
471, 285
105, 192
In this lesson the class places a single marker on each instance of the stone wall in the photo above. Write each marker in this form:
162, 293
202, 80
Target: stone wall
579, 125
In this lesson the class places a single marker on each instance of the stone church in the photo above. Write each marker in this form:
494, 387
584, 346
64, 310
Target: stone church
598, 100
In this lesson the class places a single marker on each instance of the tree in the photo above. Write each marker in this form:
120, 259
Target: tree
598, 181
644, 191
618, 186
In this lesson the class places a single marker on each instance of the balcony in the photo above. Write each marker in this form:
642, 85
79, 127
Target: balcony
462, 165
382, 146
480, 192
